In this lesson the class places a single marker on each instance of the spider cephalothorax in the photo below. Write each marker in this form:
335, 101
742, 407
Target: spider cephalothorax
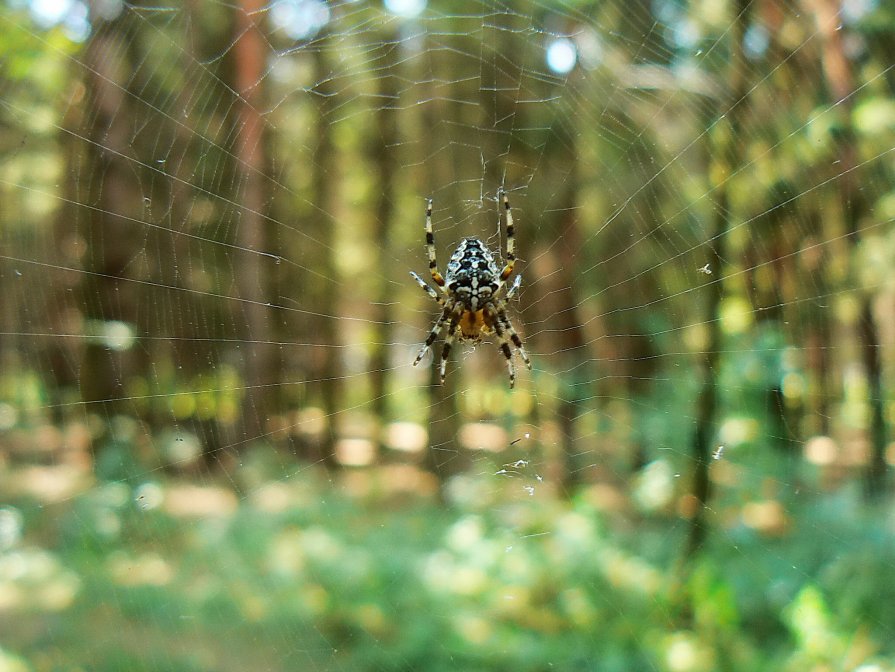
470, 295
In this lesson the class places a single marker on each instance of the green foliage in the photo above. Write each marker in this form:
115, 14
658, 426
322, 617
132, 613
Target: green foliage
531, 585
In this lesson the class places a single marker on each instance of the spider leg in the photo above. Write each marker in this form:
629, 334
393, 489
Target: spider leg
514, 337
502, 341
433, 334
517, 283
430, 247
428, 290
511, 238
456, 314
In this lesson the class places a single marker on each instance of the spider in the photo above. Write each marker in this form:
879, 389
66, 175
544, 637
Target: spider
470, 294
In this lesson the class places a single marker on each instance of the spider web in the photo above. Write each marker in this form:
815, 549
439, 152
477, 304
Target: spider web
701, 194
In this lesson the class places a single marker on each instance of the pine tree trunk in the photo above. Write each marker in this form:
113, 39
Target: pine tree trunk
252, 274
327, 366
725, 160
841, 87
113, 192
385, 143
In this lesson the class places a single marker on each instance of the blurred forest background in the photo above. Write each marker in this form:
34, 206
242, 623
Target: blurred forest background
214, 451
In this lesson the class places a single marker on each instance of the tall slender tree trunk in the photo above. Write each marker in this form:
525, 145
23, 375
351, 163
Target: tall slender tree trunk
444, 457
328, 366
770, 254
252, 276
386, 141
192, 355
818, 350
113, 191
840, 82
63, 310
568, 324
558, 303
725, 159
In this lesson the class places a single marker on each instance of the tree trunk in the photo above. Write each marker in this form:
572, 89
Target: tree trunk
444, 457
251, 275
841, 87
62, 311
386, 164
568, 337
726, 159
328, 364
113, 192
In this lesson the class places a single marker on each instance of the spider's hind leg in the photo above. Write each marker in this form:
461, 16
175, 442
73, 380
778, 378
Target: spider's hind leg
436, 329
506, 333
502, 342
514, 337
456, 314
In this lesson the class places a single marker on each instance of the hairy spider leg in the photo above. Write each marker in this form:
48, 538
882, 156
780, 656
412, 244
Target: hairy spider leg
456, 314
514, 337
437, 278
511, 238
428, 290
503, 343
433, 334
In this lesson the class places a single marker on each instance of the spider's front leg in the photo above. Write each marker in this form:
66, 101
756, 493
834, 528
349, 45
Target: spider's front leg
511, 292
511, 237
428, 290
437, 278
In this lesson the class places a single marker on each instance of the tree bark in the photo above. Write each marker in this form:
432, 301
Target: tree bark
725, 153
113, 191
252, 278
840, 81
444, 456
328, 364
386, 162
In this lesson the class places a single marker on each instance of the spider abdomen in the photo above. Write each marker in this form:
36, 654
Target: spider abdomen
472, 274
